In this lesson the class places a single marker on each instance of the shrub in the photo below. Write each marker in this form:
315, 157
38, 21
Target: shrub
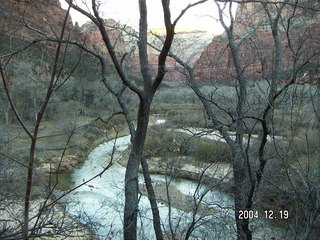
92, 133
213, 152
117, 120
159, 142
186, 117
205, 150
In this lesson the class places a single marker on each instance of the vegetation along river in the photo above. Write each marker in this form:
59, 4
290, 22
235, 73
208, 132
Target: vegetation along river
99, 203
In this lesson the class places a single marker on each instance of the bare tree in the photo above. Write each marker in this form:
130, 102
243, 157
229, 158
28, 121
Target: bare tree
145, 95
33, 136
248, 153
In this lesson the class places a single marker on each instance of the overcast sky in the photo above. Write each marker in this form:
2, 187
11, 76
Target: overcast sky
201, 17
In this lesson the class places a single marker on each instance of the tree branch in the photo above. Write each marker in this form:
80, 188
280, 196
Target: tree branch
5, 84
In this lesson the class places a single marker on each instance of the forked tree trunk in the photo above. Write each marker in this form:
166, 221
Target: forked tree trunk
131, 177
146, 173
145, 95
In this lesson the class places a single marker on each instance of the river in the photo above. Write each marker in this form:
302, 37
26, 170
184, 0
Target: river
100, 203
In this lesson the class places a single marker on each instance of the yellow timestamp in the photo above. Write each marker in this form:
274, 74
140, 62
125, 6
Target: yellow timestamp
267, 214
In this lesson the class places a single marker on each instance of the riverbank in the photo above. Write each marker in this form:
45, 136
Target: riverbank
217, 175
170, 195
56, 156
102, 200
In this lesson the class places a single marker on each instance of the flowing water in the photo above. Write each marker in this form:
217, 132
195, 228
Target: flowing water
100, 203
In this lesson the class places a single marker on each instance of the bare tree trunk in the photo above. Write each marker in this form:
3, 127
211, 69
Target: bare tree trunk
317, 114
242, 196
152, 199
145, 95
145, 168
7, 115
35, 108
28, 189
34, 136
131, 177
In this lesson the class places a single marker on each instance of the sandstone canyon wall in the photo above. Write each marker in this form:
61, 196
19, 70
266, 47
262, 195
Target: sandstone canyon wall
299, 33
20, 21
187, 45
47, 16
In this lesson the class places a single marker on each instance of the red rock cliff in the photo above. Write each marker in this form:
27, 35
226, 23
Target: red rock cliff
47, 16
44, 15
257, 50
93, 38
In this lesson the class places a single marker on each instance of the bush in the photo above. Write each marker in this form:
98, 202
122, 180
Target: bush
159, 142
205, 150
186, 117
181, 95
92, 133
163, 143
213, 152
117, 120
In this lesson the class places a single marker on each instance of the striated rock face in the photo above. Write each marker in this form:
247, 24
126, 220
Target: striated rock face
47, 16
44, 15
257, 49
93, 38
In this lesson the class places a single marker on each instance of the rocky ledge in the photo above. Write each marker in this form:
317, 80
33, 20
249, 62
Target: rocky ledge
58, 164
